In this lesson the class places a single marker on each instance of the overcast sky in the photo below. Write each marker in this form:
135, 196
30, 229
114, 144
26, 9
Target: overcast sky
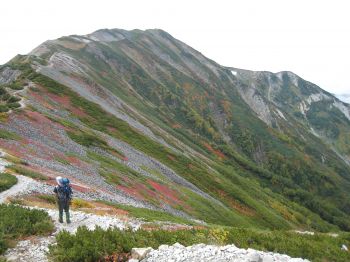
310, 38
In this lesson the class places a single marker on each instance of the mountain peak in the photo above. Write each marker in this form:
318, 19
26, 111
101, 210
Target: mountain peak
141, 118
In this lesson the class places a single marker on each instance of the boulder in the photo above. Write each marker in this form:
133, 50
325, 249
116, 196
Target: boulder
140, 253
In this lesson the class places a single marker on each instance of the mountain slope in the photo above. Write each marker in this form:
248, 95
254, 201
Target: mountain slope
141, 118
319, 111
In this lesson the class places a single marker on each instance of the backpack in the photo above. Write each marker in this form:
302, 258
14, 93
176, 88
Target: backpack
65, 191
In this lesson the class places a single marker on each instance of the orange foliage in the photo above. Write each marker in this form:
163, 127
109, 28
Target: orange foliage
216, 152
236, 205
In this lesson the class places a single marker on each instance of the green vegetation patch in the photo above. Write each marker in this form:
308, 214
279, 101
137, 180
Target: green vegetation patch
51, 199
16, 85
95, 245
7, 181
4, 134
108, 163
15, 160
87, 139
7, 101
27, 172
17, 222
92, 140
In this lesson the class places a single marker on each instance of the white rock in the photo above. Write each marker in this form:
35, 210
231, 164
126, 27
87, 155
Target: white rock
344, 247
163, 247
140, 253
133, 260
267, 258
305, 232
199, 246
254, 257
178, 245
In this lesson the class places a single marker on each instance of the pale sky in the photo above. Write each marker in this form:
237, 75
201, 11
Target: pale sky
310, 38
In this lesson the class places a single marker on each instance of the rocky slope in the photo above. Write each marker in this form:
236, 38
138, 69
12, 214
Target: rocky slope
323, 114
140, 118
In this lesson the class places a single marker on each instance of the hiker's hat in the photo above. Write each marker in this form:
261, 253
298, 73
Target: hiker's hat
59, 180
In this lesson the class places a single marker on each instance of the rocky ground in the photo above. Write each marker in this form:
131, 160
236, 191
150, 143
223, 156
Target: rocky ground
206, 253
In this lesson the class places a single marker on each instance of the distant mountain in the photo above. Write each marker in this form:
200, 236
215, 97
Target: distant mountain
140, 118
344, 97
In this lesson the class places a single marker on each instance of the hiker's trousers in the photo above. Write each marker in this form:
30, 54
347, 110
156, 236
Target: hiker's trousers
63, 206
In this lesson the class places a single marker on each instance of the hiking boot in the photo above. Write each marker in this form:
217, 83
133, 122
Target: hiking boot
60, 218
68, 218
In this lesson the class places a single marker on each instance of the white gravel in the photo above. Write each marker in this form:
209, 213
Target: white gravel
210, 253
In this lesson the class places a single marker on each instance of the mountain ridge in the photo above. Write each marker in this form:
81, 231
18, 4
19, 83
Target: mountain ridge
143, 116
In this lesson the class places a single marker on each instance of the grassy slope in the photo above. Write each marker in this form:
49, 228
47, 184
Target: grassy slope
295, 165
233, 190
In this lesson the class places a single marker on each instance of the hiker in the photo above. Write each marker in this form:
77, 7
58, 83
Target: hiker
63, 193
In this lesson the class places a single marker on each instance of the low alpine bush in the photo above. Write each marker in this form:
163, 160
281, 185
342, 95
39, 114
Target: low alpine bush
17, 222
96, 245
7, 181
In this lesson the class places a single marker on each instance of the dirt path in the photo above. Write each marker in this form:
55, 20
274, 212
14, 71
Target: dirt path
23, 184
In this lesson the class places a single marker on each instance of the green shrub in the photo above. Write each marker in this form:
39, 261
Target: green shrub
16, 86
14, 105
17, 222
7, 181
87, 139
88, 245
13, 99
3, 108
4, 134
6, 96
51, 199
15, 160
2, 91
90, 139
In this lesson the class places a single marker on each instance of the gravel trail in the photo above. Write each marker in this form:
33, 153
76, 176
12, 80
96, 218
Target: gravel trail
23, 184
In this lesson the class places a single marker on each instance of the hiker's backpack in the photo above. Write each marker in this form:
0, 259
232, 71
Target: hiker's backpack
64, 191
